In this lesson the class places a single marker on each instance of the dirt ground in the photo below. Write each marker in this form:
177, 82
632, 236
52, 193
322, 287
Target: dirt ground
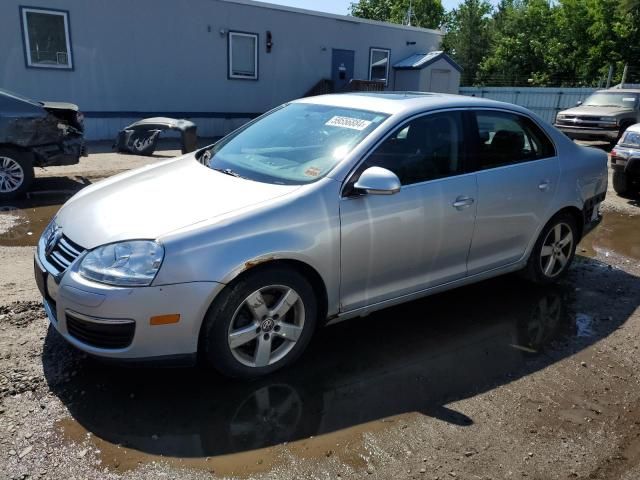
499, 380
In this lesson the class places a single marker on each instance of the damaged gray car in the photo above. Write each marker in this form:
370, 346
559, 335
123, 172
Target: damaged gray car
35, 134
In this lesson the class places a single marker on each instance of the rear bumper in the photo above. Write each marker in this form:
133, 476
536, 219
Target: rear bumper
591, 212
588, 133
630, 166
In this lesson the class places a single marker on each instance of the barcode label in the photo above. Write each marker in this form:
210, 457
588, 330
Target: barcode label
348, 122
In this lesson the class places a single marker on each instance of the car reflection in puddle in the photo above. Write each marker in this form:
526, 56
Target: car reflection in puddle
414, 358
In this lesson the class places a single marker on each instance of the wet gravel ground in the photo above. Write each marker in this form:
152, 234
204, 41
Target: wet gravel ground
496, 380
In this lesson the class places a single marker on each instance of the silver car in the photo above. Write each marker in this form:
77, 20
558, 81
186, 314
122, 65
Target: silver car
323, 209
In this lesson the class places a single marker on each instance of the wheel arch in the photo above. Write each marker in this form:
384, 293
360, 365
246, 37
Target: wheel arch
310, 273
578, 216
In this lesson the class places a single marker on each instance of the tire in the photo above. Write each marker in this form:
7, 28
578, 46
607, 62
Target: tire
262, 334
621, 183
16, 173
538, 268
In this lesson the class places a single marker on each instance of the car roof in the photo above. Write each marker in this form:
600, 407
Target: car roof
405, 102
634, 128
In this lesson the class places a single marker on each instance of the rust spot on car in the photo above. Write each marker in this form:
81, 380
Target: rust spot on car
255, 263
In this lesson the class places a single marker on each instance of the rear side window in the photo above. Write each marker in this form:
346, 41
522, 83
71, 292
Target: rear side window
505, 138
426, 148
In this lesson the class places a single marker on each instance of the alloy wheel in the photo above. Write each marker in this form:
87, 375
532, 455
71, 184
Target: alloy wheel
556, 250
11, 175
266, 326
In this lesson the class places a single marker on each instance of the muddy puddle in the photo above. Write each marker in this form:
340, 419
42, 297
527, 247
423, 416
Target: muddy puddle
357, 378
23, 221
617, 234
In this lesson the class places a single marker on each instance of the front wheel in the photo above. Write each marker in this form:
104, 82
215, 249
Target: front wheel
16, 173
554, 250
260, 323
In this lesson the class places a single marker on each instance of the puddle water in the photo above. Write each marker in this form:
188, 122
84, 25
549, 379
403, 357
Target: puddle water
451, 346
618, 233
23, 221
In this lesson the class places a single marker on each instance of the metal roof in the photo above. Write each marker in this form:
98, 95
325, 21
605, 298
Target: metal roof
343, 18
421, 60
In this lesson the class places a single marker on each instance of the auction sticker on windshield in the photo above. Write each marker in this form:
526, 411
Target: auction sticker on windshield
348, 122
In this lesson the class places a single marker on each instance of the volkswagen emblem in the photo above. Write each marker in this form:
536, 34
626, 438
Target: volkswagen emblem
52, 241
267, 325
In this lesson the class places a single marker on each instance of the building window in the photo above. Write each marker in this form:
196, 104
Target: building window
243, 55
47, 42
379, 64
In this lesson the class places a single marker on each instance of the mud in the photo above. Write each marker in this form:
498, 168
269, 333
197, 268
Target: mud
618, 233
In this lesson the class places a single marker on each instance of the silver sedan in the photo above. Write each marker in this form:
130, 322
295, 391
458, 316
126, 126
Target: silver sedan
323, 209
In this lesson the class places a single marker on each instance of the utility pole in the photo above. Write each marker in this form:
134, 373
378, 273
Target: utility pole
409, 14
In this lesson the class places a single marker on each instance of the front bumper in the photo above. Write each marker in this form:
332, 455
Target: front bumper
589, 133
114, 322
68, 152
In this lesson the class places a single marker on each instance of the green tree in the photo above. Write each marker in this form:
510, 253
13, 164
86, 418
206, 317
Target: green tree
419, 13
468, 37
523, 38
372, 9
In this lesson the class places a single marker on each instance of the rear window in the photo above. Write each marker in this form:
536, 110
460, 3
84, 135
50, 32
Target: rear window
631, 139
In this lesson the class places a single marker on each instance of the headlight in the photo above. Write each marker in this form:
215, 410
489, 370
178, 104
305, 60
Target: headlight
610, 120
125, 264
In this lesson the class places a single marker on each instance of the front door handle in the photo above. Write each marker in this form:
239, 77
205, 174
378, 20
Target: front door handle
463, 202
544, 185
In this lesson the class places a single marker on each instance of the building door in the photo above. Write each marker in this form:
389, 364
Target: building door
341, 68
440, 81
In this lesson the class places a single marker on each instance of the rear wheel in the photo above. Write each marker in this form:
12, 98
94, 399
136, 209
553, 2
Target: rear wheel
621, 183
260, 323
16, 173
554, 250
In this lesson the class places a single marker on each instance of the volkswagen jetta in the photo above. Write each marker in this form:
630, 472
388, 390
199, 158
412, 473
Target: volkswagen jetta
323, 209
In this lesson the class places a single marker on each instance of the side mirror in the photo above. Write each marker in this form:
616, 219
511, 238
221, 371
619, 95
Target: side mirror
578, 103
378, 181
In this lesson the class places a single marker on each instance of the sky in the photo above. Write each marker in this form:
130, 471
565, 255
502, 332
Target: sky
340, 7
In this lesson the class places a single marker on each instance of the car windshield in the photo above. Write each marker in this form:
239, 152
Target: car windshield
296, 144
631, 139
611, 99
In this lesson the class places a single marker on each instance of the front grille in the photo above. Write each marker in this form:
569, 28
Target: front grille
580, 120
63, 254
101, 333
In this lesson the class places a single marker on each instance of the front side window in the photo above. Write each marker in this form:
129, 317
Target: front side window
46, 38
243, 55
379, 65
423, 149
506, 138
296, 144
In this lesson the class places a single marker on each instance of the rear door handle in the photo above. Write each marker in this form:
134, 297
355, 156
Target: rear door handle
463, 202
544, 185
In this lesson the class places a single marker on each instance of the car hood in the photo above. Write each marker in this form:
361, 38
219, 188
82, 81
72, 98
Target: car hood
155, 200
595, 111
